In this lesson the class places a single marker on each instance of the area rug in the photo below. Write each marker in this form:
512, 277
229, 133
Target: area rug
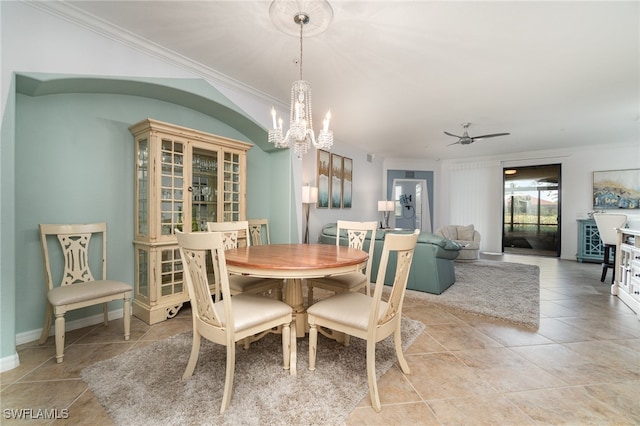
144, 386
504, 290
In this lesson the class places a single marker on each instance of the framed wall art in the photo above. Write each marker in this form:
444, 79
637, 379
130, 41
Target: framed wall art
324, 171
347, 182
616, 189
335, 202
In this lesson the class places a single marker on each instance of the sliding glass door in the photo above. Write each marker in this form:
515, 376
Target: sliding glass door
531, 213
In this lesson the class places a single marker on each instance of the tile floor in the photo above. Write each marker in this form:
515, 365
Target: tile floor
581, 367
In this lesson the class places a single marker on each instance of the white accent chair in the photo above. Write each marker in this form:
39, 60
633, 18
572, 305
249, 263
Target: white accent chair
607, 224
468, 238
231, 319
357, 233
369, 318
78, 288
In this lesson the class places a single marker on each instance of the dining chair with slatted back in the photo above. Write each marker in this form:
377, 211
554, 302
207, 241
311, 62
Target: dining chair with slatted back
231, 319
77, 286
369, 317
232, 233
357, 233
259, 231
607, 224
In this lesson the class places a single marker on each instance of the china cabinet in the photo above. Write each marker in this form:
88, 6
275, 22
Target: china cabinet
627, 283
590, 248
183, 178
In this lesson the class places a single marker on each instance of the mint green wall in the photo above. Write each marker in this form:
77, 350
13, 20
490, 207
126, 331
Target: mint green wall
7, 230
74, 158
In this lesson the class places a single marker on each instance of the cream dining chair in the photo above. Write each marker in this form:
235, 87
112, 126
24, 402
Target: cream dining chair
607, 224
78, 288
366, 317
231, 319
259, 231
357, 233
232, 234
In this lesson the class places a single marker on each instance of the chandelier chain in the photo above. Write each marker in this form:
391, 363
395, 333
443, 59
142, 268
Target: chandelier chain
301, 26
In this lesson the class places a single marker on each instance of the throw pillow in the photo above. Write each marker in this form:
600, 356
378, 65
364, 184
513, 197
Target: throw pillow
465, 233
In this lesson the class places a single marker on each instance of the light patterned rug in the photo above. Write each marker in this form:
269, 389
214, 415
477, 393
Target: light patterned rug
144, 386
504, 290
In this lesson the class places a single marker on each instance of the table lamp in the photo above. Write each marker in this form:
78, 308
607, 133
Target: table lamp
386, 207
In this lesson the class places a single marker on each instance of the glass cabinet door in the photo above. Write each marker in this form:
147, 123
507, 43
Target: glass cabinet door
232, 187
142, 186
171, 186
204, 188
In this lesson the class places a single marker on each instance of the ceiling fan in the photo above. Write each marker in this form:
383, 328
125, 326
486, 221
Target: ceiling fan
465, 139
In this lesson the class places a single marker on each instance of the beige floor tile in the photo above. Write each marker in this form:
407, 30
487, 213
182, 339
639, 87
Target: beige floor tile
76, 358
507, 371
609, 353
167, 329
114, 332
86, 410
573, 368
30, 357
623, 397
456, 337
480, 410
393, 388
394, 415
47, 395
561, 332
568, 406
443, 375
424, 343
430, 314
508, 335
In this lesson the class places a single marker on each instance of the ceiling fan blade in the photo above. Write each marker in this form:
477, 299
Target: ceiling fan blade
454, 143
451, 134
493, 135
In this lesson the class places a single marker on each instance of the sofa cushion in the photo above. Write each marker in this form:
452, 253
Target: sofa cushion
445, 243
465, 233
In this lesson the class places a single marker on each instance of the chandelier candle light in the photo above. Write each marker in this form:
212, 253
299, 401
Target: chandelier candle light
386, 207
300, 134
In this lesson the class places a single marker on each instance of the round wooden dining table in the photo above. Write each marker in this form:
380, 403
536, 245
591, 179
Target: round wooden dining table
295, 262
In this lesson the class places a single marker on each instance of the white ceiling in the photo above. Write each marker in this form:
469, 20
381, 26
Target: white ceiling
396, 74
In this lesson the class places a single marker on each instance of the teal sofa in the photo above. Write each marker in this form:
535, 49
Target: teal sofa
432, 269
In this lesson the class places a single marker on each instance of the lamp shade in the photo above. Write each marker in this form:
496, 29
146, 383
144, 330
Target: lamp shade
386, 206
309, 194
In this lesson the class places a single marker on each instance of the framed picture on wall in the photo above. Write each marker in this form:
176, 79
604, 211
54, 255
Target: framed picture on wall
324, 171
335, 201
616, 189
347, 182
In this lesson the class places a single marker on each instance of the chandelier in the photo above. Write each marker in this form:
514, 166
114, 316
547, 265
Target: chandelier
300, 134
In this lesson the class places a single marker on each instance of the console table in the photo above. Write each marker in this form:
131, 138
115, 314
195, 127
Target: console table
590, 247
627, 282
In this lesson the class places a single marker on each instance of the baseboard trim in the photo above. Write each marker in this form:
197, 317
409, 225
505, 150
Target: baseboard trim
32, 335
9, 362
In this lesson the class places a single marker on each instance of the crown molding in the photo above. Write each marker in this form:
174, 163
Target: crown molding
81, 18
